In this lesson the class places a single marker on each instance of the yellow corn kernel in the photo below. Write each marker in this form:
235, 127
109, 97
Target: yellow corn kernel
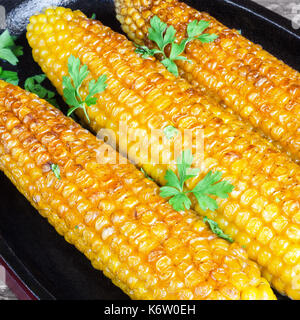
104, 231
231, 68
151, 88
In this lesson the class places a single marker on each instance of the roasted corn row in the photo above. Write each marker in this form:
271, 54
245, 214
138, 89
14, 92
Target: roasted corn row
263, 211
247, 79
113, 214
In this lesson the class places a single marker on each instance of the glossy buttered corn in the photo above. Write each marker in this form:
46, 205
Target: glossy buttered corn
247, 79
113, 214
262, 213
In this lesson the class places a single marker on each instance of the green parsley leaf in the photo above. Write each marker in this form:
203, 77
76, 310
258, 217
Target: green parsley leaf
169, 36
6, 40
195, 28
180, 202
206, 37
69, 92
216, 229
56, 170
93, 16
206, 202
33, 84
163, 35
174, 186
172, 180
171, 66
73, 82
18, 51
156, 32
166, 192
77, 72
9, 76
184, 163
8, 55
96, 87
209, 185
9, 51
170, 132
144, 51
177, 50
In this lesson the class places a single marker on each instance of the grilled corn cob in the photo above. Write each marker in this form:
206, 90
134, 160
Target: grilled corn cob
262, 213
113, 214
250, 81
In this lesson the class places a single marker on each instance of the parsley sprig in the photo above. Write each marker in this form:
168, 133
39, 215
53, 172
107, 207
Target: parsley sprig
216, 229
34, 85
170, 132
163, 35
9, 51
56, 170
73, 82
9, 76
210, 185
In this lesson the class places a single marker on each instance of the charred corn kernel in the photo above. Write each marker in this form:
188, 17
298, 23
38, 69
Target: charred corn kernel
254, 84
251, 214
110, 234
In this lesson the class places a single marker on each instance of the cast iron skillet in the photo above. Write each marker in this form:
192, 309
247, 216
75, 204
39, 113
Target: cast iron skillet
48, 265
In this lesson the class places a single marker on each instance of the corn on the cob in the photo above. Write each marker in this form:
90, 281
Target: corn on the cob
113, 214
262, 213
254, 84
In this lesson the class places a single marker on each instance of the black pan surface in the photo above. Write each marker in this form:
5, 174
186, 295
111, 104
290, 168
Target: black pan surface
49, 266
